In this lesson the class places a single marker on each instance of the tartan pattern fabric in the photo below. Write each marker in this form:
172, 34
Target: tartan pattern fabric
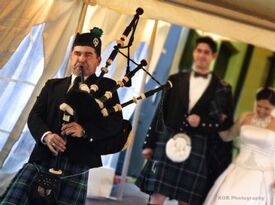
219, 153
185, 181
219, 156
73, 184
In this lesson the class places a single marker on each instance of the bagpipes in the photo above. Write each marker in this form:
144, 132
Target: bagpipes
95, 108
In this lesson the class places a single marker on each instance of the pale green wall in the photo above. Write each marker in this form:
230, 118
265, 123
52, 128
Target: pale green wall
255, 78
235, 64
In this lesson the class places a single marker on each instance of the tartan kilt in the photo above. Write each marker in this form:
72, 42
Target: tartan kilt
73, 188
185, 181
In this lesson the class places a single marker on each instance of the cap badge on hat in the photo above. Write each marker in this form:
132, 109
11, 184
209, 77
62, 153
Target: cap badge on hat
95, 42
91, 39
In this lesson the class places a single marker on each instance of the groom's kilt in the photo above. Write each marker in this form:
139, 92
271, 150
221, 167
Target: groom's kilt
185, 181
73, 189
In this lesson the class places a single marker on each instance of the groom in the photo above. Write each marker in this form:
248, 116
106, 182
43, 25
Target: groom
199, 104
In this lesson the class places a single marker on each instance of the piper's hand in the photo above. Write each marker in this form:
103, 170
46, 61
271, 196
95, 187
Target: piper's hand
73, 129
55, 143
194, 120
147, 153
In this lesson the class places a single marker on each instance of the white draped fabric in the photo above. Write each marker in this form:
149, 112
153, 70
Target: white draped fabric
16, 20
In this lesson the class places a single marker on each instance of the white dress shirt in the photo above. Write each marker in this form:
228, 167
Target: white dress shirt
197, 87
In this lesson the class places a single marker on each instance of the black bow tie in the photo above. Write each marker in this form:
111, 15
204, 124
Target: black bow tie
203, 75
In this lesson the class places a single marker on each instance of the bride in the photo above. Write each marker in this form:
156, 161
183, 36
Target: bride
249, 179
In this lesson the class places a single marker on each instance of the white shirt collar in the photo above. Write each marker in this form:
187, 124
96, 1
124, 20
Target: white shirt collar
74, 76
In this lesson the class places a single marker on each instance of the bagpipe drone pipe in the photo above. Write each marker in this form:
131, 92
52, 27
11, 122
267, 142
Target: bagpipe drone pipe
86, 102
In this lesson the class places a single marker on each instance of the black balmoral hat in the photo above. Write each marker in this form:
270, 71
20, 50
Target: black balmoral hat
91, 39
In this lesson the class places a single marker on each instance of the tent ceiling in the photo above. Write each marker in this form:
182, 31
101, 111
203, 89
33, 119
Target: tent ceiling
254, 12
258, 8
249, 21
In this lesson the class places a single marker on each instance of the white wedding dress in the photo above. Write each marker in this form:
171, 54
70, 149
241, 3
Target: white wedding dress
248, 180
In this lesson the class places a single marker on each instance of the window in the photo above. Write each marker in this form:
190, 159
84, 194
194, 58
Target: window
18, 79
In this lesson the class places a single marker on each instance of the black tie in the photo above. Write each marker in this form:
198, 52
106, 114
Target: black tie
76, 82
202, 75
